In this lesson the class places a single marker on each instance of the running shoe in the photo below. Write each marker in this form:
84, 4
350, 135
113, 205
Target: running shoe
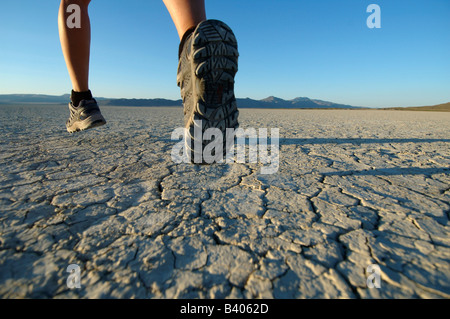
206, 71
84, 116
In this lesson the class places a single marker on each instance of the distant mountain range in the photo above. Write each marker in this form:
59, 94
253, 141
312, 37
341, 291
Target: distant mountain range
273, 102
267, 103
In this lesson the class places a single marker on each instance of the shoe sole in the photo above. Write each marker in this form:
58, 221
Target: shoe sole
93, 121
214, 66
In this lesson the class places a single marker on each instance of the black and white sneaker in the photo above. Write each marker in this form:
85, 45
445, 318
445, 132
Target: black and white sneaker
84, 116
206, 70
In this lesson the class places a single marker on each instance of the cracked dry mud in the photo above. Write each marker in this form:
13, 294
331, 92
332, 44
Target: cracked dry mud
354, 188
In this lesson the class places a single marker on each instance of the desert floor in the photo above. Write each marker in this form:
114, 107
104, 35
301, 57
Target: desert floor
354, 188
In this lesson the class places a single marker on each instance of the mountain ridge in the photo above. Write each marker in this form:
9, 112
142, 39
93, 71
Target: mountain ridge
270, 102
267, 103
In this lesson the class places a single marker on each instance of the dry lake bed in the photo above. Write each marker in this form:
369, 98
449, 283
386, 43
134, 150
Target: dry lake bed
358, 193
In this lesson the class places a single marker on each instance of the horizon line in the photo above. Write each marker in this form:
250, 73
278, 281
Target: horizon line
270, 96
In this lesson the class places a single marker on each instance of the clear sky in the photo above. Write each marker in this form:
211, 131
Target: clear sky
319, 49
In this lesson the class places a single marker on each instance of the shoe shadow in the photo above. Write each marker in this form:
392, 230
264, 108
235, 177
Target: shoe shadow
375, 172
357, 141
392, 171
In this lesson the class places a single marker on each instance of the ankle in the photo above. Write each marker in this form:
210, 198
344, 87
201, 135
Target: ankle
183, 40
77, 97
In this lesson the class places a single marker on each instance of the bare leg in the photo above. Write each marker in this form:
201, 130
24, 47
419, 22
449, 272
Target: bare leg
75, 43
186, 13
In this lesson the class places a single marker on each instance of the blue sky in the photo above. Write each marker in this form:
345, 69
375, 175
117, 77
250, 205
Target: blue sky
320, 49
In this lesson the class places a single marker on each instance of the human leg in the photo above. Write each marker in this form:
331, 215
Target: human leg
75, 41
186, 14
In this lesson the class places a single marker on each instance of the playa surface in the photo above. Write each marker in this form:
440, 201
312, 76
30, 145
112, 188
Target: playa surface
354, 188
